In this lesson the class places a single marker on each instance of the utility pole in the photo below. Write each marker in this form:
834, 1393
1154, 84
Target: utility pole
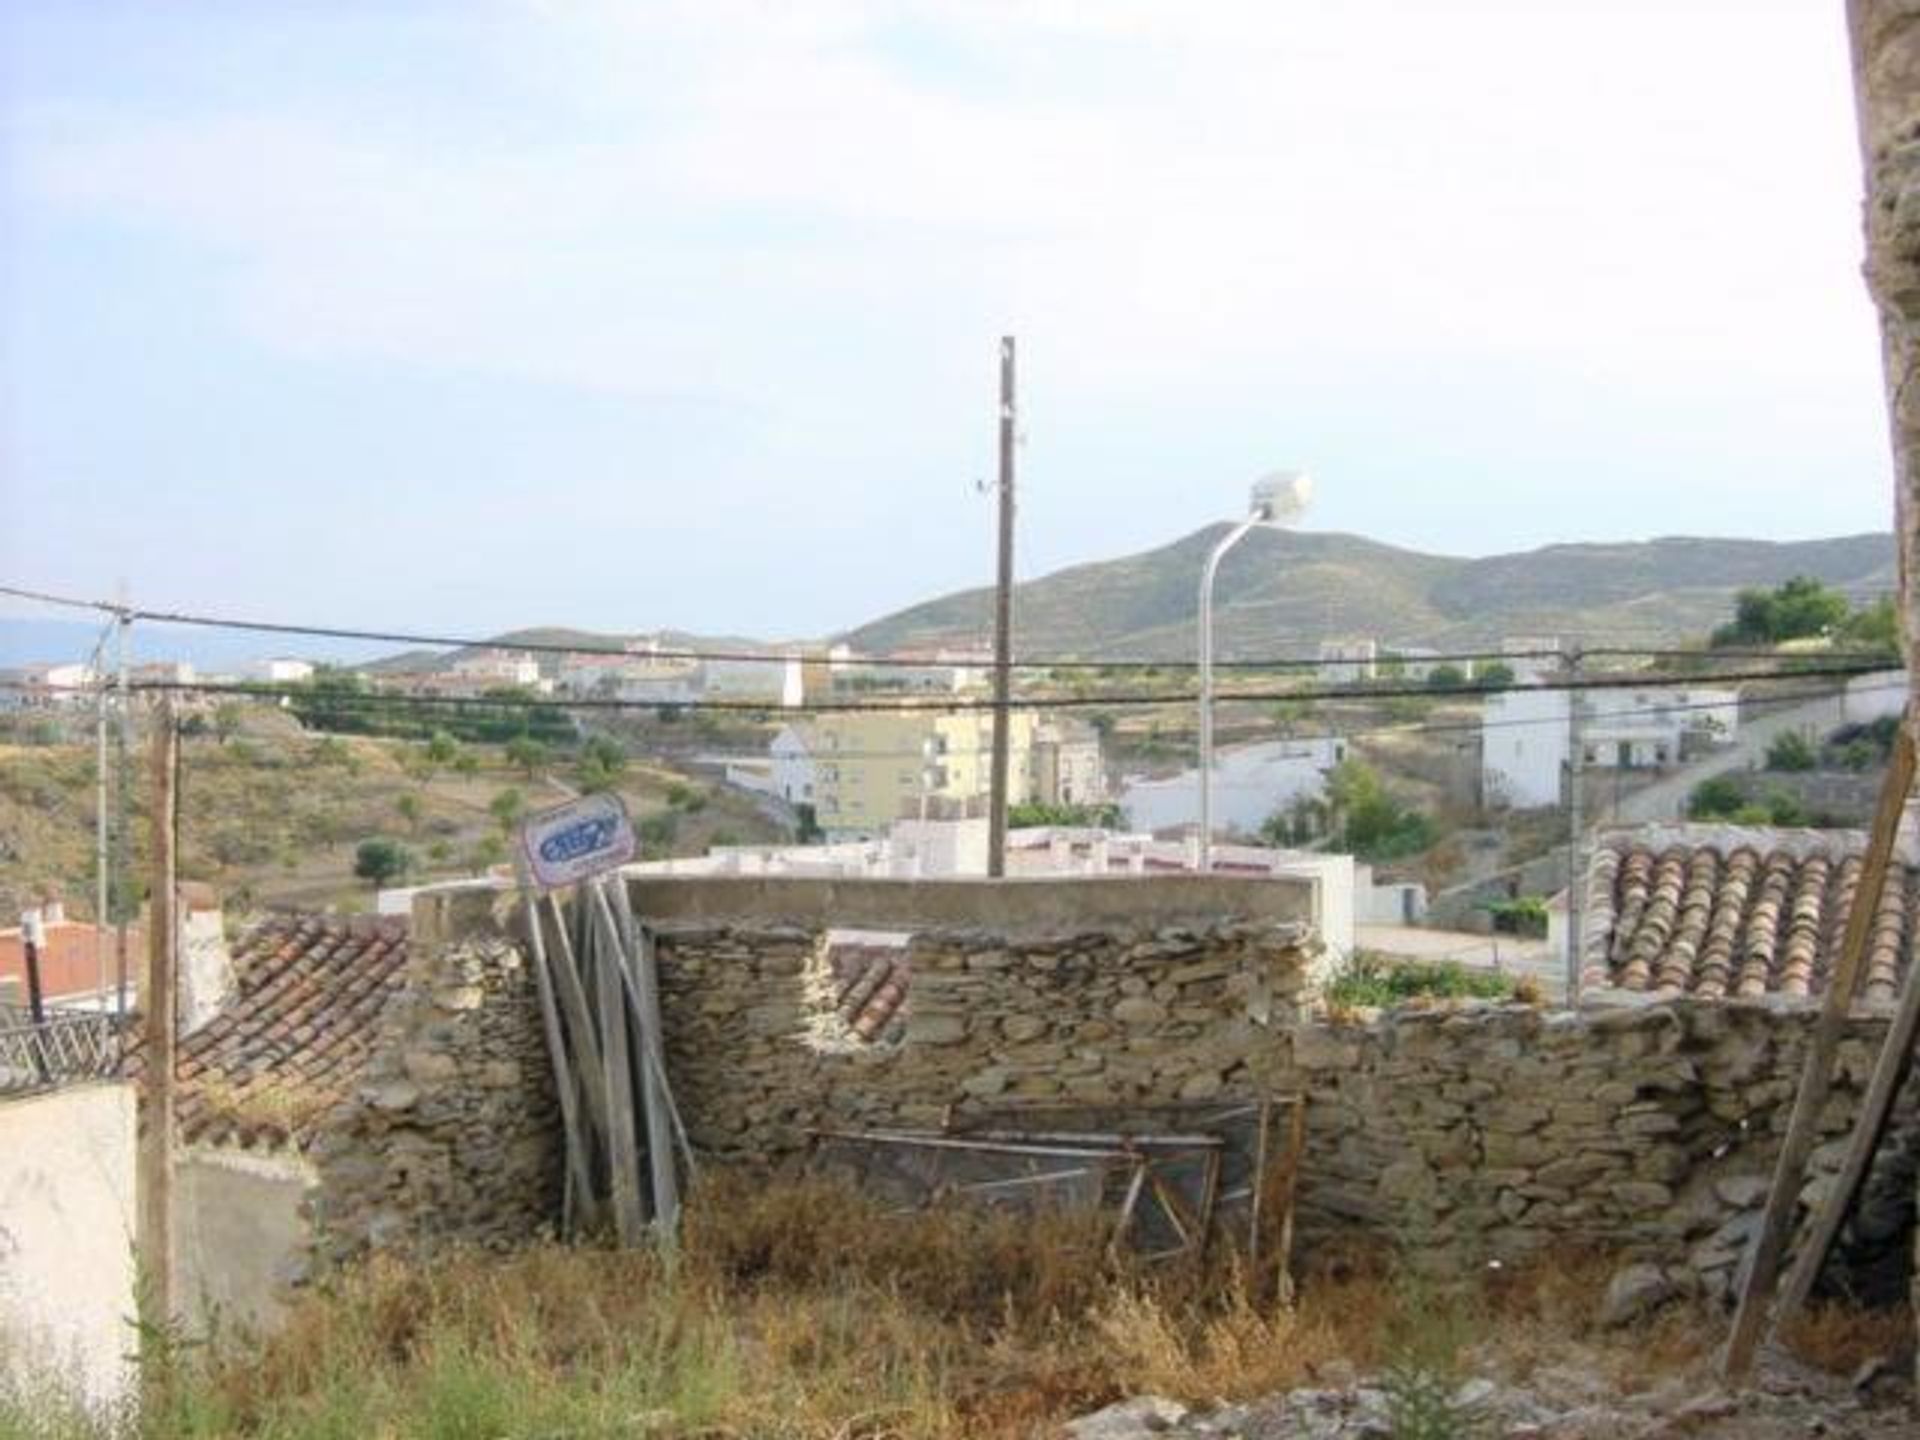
1002, 625
122, 822
1576, 817
155, 1181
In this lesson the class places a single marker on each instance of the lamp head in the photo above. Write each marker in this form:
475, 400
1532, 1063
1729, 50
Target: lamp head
1281, 498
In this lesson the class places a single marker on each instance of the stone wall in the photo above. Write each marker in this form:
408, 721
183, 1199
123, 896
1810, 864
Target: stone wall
455, 1136
1465, 1133
1497, 1131
758, 1054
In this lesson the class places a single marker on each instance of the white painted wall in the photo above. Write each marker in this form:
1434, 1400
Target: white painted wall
1874, 697
1523, 744
794, 774
66, 1240
1250, 782
240, 1236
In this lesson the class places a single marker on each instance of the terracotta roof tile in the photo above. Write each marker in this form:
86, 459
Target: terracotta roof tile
1716, 912
870, 985
295, 1036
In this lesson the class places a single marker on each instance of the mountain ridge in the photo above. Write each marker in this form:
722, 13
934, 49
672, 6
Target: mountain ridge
1293, 589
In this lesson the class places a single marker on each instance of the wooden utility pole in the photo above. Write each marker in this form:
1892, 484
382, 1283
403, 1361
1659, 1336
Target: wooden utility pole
1002, 624
1576, 824
1816, 1077
155, 1181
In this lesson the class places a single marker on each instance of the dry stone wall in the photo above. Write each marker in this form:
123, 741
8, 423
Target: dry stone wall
1465, 1134
759, 1056
455, 1136
1496, 1131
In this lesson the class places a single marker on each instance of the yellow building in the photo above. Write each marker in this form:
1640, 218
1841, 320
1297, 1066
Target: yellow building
871, 768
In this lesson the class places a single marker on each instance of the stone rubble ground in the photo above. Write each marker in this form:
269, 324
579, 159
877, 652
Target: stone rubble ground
1557, 1403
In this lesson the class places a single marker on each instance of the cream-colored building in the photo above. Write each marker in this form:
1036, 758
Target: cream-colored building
872, 768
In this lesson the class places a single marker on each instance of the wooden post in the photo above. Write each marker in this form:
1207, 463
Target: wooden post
579, 1196
155, 1179
623, 1139
1889, 1070
1769, 1241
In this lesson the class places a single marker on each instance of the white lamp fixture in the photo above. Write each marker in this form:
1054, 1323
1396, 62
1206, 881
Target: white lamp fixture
1277, 500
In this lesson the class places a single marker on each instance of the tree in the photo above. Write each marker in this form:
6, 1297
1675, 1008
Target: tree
507, 807
1495, 675
1715, 799
442, 748
487, 852
1874, 627
1790, 751
1374, 823
466, 764
1446, 677
227, 720
601, 763
528, 753
379, 860
1800, 609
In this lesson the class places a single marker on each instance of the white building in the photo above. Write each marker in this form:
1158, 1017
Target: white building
1874, 697
1417, 662
486, 668
1524, 735
794, 774
58, 684
1531, 657
1250, 783
1347, 662
280, 670
744, 678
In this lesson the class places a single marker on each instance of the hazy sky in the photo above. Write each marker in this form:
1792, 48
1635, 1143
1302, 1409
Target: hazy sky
685, 314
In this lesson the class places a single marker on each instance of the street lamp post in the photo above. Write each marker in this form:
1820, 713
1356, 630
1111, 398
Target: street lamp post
1276, 500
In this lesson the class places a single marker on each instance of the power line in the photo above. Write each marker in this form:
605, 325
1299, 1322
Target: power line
949, 705
532, 647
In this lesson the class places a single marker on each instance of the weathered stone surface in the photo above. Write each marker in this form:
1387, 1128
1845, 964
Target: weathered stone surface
1634, 1292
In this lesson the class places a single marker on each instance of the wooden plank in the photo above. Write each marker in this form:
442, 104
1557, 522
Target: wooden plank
578, 1016
623, 1138
1293, 1158
579, 1203
1869, 1128
1769, 1241
656, 1099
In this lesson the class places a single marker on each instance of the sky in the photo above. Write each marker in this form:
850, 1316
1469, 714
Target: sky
685, 313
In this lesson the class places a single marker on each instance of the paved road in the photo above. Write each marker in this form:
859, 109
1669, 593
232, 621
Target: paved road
1666, 798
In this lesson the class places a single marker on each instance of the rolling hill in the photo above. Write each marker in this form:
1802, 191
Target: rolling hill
1283, 591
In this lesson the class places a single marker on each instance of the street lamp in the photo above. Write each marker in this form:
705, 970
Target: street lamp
1277, 500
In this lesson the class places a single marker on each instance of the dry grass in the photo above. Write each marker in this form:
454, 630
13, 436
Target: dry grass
1840, 1338
797, 1311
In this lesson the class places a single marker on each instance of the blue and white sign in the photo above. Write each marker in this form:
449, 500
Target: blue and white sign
581, 838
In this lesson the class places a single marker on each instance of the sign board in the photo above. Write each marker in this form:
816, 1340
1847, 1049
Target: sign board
581, 838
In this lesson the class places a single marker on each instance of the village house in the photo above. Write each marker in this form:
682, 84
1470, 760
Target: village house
491, 669
1348, 662
1524, 735
1251, 783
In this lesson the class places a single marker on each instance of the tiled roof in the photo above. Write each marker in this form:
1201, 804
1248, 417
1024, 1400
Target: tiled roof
1724, 911
295, 1037
870, 987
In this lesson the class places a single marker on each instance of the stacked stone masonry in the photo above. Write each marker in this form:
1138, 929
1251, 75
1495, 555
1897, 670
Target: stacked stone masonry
1465, 1134
1497, 1131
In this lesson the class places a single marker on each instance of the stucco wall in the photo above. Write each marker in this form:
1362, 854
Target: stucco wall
66, 1240
240, 1235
